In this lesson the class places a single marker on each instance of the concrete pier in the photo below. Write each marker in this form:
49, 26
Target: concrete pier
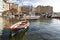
55, 16
31, 17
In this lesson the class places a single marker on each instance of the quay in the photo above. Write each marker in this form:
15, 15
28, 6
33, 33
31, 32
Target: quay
31, 17
55, 16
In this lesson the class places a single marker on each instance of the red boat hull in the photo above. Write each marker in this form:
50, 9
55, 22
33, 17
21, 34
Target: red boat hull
20, 27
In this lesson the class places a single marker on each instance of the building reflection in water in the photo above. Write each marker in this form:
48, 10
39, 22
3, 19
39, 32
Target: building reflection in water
8, 22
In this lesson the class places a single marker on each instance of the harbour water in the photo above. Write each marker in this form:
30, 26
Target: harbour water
42, 29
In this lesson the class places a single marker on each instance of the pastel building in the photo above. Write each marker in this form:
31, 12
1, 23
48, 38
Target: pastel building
1, 7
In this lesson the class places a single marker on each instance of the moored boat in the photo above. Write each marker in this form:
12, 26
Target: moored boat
18, 26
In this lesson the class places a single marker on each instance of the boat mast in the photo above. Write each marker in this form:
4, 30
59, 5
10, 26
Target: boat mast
23, 14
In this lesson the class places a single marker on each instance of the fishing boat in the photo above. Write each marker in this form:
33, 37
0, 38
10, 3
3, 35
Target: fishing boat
18, 26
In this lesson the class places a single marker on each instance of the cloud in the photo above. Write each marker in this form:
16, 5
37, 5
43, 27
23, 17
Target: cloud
13, 1
36, 4
27, 3
23, 2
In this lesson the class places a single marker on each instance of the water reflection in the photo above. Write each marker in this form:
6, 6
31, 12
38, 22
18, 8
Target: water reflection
6, 35
42, 29
8, 22
20, 35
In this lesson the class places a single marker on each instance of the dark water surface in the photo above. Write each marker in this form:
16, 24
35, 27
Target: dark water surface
42, 29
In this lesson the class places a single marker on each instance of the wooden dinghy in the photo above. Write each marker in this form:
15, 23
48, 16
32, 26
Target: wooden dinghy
18, 26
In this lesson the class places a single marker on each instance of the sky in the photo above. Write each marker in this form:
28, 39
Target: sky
53, 3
